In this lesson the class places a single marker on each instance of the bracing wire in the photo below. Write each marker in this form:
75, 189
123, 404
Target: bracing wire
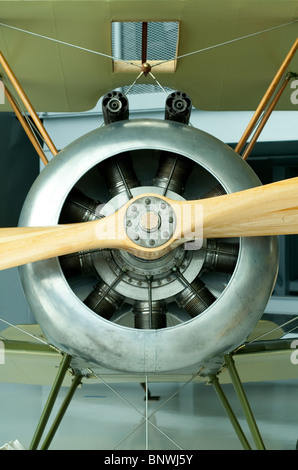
274, 329
154, 65
146, 417
159, 63
24, 331
69, 44
225, 43
30, 122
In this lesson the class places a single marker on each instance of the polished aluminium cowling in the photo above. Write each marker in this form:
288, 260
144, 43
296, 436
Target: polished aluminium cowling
74, 328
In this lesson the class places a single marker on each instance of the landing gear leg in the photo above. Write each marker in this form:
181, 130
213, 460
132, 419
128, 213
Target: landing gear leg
244, 402
51, 401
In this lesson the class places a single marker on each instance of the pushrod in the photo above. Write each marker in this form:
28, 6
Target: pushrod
267, 97
27, 104
50, 401
219, 392
74, 385
25, 126
244, 402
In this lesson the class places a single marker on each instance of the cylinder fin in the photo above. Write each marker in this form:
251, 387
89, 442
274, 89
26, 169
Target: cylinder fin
221, 256
216, 191
173, 172
119, 174
195, 298
147, 316
104, 300
79, 208
76, 264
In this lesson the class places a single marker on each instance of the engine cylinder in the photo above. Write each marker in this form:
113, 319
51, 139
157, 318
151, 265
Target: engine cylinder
150, 316
79, 208
173, 172
221, 256
103, 300
119, 174
195, 298
76, 264
218, 190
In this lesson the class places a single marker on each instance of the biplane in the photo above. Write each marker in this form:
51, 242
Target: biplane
147, 248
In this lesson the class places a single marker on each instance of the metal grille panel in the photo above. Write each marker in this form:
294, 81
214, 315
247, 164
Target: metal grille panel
161, 45
162, 40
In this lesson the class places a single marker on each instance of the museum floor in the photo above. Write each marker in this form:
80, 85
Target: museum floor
106, 418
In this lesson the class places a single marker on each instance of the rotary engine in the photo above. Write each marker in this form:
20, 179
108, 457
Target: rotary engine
119, 311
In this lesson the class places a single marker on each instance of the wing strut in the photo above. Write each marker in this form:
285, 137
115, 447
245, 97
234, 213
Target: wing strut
76, 381
235, 423
26, 127
64, 365
238, 387
244, 402
265, 100
11, 76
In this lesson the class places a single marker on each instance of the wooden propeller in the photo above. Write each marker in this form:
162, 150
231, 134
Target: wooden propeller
265, 210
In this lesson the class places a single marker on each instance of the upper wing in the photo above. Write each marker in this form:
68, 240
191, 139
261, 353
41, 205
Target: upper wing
232, 76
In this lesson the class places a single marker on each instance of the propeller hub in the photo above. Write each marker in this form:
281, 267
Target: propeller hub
150, 221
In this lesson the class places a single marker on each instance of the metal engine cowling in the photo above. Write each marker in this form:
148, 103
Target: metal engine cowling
131, 315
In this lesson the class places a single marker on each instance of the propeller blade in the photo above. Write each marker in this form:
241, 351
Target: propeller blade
271, 209
265, 210
22, 245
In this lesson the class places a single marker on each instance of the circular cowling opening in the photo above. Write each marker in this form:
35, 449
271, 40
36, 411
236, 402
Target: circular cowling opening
125, 313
